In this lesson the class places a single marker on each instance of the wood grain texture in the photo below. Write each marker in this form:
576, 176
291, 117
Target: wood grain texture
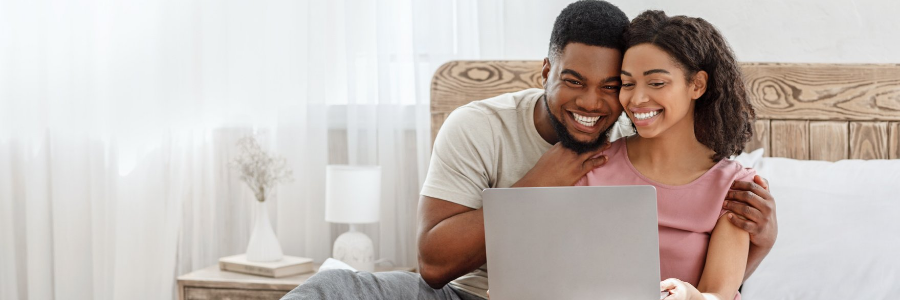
894, 140
790, 100
828, 140
790, 139
834, 92
228, 294
437, 119
213, 283
459, 82
869, 140
760, 137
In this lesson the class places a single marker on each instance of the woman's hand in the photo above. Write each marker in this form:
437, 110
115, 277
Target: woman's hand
679, 290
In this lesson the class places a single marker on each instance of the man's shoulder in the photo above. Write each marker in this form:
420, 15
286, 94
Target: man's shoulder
478, 116
506, 102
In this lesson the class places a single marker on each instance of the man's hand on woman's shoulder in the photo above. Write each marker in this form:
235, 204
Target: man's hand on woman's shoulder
561, 166
751, 207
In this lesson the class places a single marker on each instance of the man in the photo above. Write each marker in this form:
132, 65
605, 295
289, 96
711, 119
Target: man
525, 139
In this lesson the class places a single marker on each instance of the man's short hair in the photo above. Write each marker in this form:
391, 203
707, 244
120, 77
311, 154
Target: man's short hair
590, 22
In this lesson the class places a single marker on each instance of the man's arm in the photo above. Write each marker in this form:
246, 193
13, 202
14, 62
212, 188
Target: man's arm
752, 208
451, 240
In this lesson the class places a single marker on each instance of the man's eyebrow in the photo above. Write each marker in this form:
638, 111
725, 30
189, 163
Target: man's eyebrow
573, 73
580, 77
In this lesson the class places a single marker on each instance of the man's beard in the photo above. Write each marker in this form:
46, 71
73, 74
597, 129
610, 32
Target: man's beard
568, 140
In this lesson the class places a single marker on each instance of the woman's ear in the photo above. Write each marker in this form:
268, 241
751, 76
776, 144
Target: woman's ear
698, 84
545, 71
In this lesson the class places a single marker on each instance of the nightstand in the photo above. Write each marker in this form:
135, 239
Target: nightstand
211, 283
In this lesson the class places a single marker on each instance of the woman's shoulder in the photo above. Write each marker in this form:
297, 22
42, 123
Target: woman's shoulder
617, 154
615, 168
730, 169
615, 147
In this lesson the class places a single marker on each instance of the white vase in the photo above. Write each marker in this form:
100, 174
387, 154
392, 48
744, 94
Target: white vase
264, 245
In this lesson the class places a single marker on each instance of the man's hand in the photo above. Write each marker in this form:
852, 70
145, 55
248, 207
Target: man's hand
752, 208
561, 166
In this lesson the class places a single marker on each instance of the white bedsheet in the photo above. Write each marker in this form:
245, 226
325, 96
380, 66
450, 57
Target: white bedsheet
839, 231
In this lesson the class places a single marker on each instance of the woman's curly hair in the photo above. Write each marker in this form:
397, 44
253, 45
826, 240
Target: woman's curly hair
723, 116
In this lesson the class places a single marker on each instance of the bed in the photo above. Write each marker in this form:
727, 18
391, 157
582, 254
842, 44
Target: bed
827, 137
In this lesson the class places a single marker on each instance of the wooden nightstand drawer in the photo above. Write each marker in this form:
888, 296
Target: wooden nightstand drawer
192, 293
212, 283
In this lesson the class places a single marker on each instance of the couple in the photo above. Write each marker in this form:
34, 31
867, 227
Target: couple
679, 83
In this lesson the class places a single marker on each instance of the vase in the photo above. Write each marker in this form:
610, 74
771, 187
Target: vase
264, 245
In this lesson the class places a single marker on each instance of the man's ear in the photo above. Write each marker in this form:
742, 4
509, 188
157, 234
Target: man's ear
698, 84
545, 71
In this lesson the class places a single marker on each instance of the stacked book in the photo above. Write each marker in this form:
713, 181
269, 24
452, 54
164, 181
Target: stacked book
287, 266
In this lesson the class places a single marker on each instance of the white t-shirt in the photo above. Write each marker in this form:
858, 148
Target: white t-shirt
490, 143
484, 144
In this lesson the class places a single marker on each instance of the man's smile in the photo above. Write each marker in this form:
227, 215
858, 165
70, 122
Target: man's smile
586, 122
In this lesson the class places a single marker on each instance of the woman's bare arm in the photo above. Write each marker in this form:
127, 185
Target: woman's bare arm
726, 260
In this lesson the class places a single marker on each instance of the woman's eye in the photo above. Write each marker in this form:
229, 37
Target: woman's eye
627, 85
657, 84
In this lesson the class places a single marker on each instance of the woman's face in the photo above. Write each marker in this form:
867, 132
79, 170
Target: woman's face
655, 94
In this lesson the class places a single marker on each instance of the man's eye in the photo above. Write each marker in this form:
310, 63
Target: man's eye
573, 82
611, 87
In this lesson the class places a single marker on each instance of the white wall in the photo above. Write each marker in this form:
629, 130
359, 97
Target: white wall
825, 31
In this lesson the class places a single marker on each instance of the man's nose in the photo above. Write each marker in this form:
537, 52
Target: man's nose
591, 101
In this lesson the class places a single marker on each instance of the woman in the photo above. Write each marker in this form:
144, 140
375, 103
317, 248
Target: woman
682, 89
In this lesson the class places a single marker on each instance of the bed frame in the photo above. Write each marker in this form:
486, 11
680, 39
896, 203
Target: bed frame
804, 111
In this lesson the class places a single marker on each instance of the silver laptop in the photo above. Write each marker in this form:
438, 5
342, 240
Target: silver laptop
572, 242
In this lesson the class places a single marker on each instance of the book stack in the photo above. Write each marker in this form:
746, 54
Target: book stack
287, 266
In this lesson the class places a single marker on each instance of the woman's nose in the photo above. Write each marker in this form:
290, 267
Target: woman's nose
638, 96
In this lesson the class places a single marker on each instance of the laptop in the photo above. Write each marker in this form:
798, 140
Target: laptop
587, 242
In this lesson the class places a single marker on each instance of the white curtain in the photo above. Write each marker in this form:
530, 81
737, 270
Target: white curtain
118, 120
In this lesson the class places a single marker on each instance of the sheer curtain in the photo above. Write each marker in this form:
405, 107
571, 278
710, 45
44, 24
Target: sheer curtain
118, 120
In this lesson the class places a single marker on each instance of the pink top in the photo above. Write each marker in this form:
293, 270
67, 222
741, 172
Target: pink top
687, 213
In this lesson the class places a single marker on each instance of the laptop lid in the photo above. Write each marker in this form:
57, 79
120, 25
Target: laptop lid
572, 242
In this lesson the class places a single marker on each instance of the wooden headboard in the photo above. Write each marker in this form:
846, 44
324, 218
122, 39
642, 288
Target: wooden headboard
804, 111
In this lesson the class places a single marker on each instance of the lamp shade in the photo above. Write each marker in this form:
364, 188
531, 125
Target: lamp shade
352, 193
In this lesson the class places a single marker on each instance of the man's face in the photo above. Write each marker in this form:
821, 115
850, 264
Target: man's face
582, 94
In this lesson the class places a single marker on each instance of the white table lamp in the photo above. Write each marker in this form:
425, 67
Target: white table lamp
353, 196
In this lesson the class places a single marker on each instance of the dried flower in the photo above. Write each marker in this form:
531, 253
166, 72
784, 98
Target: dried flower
259, 170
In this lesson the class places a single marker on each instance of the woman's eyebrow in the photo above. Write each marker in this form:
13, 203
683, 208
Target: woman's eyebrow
656, 71
626, 73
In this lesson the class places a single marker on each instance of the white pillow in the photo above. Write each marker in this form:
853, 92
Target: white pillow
749, 160
839, 231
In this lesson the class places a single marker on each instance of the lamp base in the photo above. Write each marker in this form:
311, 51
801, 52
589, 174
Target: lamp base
355, 249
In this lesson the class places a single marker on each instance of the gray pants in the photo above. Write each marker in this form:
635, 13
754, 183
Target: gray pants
346, 284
